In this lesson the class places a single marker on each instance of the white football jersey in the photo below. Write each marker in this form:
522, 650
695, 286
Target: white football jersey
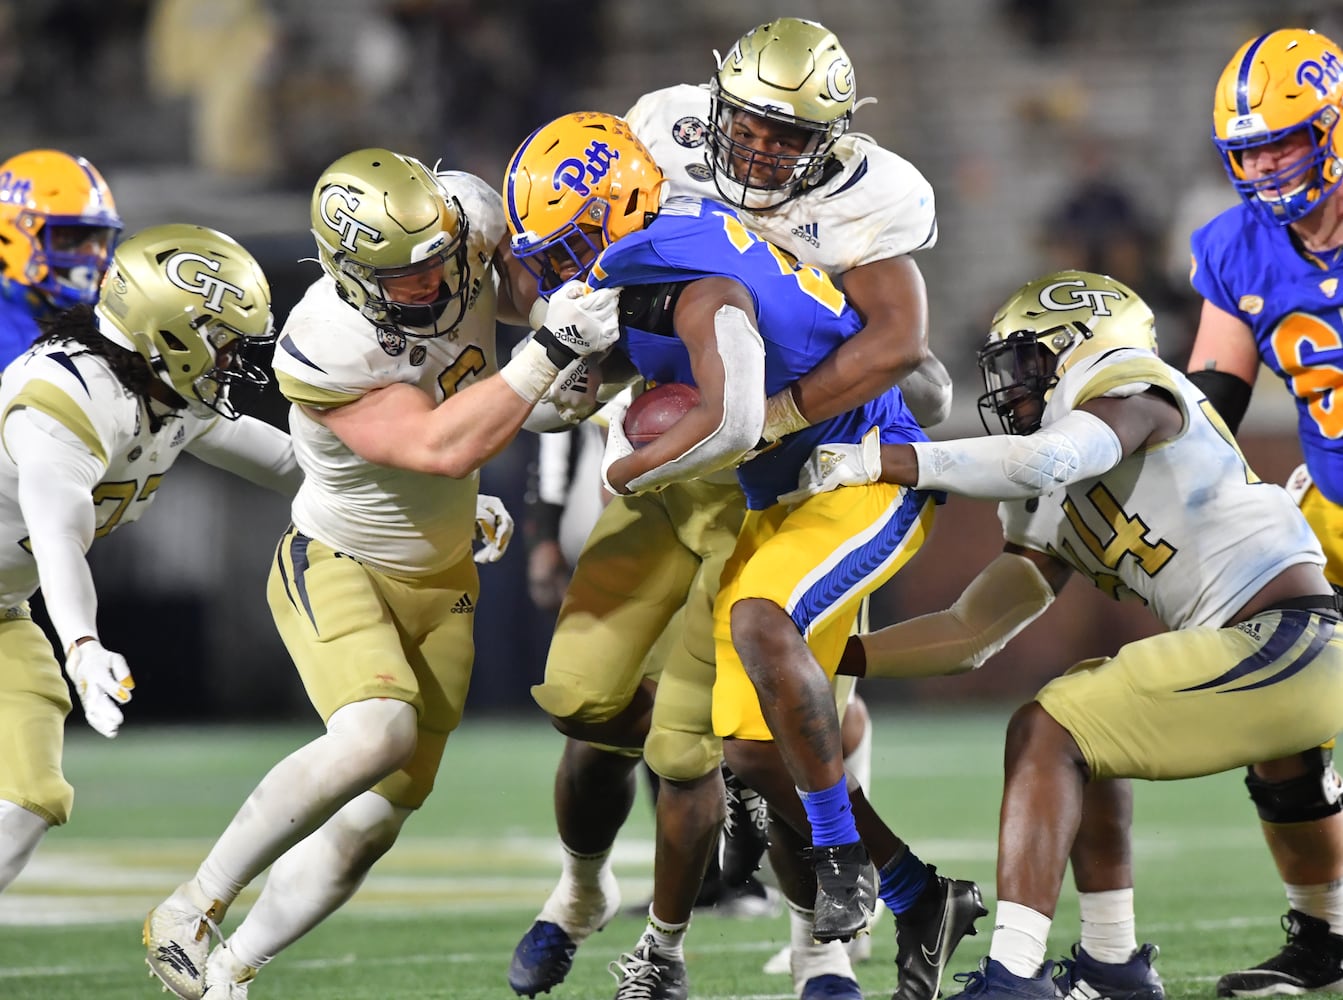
874, 206
406, 523
1185, 525
80, 393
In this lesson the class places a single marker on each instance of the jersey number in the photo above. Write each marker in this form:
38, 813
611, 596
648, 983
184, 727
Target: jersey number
470, 362
119, 495
1128, 537
1310, 381
813, 282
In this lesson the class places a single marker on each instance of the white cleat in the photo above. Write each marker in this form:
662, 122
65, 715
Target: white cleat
226, 978
177, 941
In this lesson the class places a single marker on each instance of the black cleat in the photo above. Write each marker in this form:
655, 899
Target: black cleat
1312, 960
1083, 978
647, 974
928, 932
846, 893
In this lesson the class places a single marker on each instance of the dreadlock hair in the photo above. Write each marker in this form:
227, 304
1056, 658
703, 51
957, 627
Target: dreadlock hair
77, 327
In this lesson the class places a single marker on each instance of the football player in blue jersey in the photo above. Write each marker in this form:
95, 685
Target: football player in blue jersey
58, 227
1269, 272
708, 302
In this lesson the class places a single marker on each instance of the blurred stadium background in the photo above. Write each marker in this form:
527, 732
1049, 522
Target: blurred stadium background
1054, 134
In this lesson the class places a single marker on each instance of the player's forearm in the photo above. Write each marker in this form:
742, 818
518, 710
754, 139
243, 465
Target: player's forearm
252, 449
854, 373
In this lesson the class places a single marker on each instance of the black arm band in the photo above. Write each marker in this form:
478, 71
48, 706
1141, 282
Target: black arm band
1229, 394
559, 353
543, 522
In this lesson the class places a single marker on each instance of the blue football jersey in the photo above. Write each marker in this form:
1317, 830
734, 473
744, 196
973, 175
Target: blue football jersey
18, 321
1294, 304
801, 316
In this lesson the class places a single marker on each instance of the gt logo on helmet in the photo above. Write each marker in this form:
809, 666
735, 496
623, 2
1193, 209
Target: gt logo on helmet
1091, 298
575, 174
209, 287
839, 80
338, 217
1324, 75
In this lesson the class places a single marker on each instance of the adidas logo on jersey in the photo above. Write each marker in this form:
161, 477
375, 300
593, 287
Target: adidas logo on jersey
809, 231
464, 606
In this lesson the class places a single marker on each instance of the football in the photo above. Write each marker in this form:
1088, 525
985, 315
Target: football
657, 409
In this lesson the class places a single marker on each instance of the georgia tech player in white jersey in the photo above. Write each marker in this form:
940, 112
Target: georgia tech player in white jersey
389, 364
92, 418
1119, 468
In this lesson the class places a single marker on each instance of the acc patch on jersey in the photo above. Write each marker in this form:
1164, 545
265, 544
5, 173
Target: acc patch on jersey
699, 171
690, 132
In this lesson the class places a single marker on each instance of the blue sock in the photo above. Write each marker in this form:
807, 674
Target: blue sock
901, 881
830, 815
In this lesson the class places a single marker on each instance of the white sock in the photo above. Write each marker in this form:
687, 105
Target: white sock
1020, 935
809, 959
20, 831
859, 763
666, 937
316, 876
586, 896
1323, 901
1109, 929
364, 742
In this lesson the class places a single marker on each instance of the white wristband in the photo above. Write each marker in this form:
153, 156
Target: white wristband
530, 373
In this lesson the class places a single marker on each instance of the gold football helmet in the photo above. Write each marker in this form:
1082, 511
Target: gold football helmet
196, 306
1278, 87
1047, 326
58, 225
789, 72
381, 217
575, 186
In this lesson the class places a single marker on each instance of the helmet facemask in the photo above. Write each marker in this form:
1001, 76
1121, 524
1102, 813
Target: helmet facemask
235, 357
73, 252
431, 318
1019, 374
566, 254
1293, 191
758, 180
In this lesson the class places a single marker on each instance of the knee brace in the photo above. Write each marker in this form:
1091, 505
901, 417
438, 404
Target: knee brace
1311, 796
682, 756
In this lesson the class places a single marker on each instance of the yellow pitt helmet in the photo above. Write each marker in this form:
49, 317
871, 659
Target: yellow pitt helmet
1285, 84
1046, 327
574, 187
196, 306
378, 216
790, 72
58, 224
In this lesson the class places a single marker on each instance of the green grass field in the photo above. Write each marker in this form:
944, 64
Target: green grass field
441, 913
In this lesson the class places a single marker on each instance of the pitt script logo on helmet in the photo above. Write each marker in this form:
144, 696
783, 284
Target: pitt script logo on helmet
378, 216
791, 73
574, 187
196, 306
1285, 85
1045, 328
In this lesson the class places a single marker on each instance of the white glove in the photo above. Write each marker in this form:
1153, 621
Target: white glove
834, 465
579, 322
617, 444
1298, 484
494, 528
573, 394
103, 682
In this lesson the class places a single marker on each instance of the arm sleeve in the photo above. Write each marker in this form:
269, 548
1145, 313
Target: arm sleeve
1229, 394
548, 490
57, 474
252, 449
1078, 446
1006, 596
